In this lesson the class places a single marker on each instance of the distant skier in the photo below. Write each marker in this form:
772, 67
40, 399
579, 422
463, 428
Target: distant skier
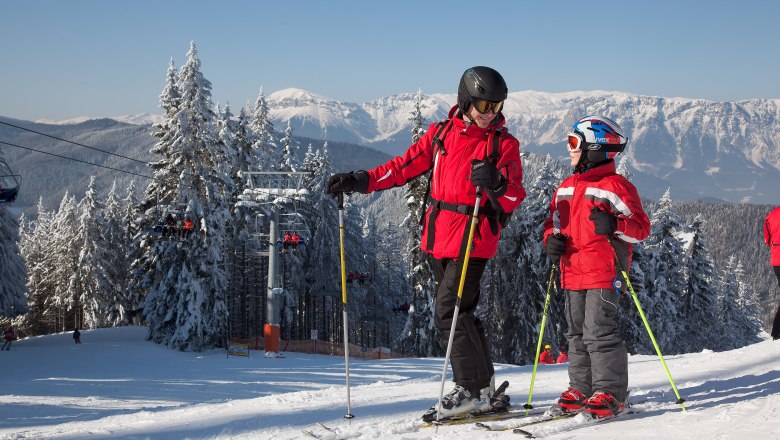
772, 238
547, 357
591, 205
562, 356
470, 149
10, 336
77, 336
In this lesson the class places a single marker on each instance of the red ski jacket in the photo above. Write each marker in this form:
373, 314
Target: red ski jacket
589, 261
546, 358
452, 192
772, 235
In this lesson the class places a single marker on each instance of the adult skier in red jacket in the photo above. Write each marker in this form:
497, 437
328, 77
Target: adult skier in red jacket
470, 149
593, 204
772, 238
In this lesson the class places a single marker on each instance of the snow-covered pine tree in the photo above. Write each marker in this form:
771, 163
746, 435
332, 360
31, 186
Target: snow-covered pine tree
623, 169
64, 253
748, 304
665, 276
630, 324
324, 276
91, 281
732, 324
522, 273
289, 149
13, 291
133, 299
117, 248
185, 304
419, 336
269, 156
699, 301
35, 247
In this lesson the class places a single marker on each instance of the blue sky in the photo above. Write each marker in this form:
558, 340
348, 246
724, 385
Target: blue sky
61, 59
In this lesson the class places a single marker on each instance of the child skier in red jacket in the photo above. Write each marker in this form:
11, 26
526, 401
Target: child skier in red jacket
593, 204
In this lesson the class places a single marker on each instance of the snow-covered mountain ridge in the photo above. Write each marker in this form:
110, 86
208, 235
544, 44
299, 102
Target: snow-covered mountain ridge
701, 148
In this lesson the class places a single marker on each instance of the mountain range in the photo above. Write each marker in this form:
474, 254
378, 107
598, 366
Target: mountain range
702, 150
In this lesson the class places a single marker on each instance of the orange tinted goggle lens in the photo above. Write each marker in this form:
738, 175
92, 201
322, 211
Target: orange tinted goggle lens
574, 143
483, 105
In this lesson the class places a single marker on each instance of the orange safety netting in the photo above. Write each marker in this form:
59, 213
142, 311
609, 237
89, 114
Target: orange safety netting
312, 346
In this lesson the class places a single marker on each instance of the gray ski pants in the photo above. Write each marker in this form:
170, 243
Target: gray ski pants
598, 360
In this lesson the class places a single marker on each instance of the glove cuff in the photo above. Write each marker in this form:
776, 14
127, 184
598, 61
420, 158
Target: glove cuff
500, 190
361, 181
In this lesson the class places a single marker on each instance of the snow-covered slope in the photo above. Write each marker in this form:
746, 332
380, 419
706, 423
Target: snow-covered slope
117, 385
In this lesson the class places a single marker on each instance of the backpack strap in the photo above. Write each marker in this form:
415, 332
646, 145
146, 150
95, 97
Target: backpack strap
444, 127
495, 155
498, 217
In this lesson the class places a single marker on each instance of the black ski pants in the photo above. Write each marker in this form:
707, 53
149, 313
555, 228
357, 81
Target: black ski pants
472, 367
776, 323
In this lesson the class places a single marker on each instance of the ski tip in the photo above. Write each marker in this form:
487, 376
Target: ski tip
523, 432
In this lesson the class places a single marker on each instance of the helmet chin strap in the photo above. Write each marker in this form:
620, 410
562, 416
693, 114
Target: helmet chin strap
467, 117
585, 163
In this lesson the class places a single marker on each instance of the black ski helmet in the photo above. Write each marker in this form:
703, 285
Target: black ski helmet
480, 82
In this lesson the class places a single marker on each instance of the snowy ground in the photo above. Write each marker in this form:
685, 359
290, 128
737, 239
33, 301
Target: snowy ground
117, 385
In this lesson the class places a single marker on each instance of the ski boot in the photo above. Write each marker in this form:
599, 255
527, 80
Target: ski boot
460, 402
601, 405
570, 402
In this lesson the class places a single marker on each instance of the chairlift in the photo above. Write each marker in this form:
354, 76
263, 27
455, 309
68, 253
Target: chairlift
176, 224
291, 240
9, 183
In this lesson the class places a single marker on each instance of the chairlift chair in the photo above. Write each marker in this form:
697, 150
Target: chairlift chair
9, 183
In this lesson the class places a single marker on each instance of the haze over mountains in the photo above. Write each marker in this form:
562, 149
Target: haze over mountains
701, 149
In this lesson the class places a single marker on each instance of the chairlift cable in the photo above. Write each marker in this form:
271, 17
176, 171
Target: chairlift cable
78, 160
73, 142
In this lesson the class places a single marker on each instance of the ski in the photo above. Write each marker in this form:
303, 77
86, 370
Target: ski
313, 435
543, 419
326, 427
478, 418
581, 420
500, 403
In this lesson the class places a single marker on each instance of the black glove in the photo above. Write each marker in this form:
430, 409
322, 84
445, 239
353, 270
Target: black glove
347, 183
484, 174
555, 246
605, 222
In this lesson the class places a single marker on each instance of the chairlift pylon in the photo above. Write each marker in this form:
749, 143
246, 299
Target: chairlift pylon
9, 183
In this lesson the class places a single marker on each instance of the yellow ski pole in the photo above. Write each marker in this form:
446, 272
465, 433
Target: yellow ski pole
680, 400
466, 255
528, 405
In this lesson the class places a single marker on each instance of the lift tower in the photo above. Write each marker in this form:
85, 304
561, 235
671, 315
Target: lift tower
274, 192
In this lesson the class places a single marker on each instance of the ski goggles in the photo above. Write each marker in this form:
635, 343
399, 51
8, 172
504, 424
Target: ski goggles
483, 105
575, 142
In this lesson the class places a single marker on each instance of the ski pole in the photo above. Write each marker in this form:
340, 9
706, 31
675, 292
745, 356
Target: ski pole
680, 400
344, 300
465, 263
528, 405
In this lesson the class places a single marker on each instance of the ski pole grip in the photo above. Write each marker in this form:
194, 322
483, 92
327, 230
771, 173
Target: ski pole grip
341, 200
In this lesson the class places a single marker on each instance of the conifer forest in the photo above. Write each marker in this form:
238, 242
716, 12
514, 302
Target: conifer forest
186, 253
